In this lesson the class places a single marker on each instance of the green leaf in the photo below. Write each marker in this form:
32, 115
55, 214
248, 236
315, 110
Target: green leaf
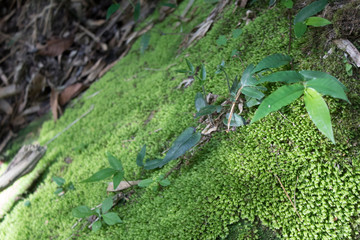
221, 41
144, 42
199, 101
279, 98
272, 61
137, 11
71, 186
58, 190
190, 66
96, 226
187, 139
236, 120
181, 71
152, 164
114, 162
318, 112
237, 32
100, 175
111, 218
283, 76
299, 29
117, 178
317, 22
146, 182
112, 9
234, 53
170, 5
165, 182
247, 79
308, 75
82, 211
288, 3
310, 10
107, 204
58, 180
140, 157
329, 87
252, 92
252, 102
209, 109
203, 72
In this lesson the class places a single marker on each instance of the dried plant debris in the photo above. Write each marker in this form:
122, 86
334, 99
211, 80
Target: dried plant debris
51, 51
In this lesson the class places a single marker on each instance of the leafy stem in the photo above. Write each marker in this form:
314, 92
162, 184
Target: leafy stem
233, 107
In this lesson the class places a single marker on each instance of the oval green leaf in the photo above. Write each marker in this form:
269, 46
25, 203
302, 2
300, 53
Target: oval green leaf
329, 87
199, 101
203, 72
236, 120
140, 157
308, 75
272, 61
107, 205
100, 175
117, 178
279, 98
152, 164
82, 211
252, 92
96, 226
145, 182
114, 162
283, 76
318, 112
310, 10
317, 22
111, 218
164, 182
209, 109
299, 29
58, 180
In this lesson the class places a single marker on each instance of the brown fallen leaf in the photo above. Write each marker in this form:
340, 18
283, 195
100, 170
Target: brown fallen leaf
70, 92
185, 83
54, 104
55, 47
122, 186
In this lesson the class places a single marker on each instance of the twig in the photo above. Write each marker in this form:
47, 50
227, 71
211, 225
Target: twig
104, 47
70, 125
232, 108
287, 119
287, 195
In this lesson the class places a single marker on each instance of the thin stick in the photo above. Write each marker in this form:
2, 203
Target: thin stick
287, 195
104, 47
70, 125
232, 108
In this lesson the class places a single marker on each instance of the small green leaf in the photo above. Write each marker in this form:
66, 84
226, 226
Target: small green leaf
187, 139
140, 157
100, 175
71, 186
199, 101
181, 71
203, 72
288, 3
137, 11
235, 87
152, 164
236, 120
283, 76
144, 42
329, 87
299, 29
58, 180
58, 190
114, 162
221, 41
96, 226
247, 79
318, 112
317, 22
310, 10
252, 92
252, 102
308, 75
112, 9
209, 109
82, 211
111, 218
190, 66
279, 98
272, 3
107, 204
237, 32
117, 178
164, 182
272, 61
170, 5
145, 182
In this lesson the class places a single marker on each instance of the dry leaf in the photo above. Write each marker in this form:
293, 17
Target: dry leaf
54, 103
70, 92
55, 47
122, 186
185, 83
209, 129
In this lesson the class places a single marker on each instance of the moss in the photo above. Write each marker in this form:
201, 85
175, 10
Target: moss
231, 176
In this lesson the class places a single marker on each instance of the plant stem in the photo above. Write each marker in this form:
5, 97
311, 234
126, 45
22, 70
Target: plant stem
203, 88
227, 79
232, 108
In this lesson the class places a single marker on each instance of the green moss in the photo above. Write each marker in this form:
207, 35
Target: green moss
231, 176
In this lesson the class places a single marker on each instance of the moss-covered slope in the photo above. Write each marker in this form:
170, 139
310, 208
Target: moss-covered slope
230, 177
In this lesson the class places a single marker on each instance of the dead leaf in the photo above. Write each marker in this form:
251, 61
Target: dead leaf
55, 47
185, 83
54, 104
122, 186
211, 98
209, 129
70, 92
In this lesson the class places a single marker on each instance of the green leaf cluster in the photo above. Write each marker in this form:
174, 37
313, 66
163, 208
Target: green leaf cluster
62, 187
159, 181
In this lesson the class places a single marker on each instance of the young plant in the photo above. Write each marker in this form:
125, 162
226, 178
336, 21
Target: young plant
187, 139
102, 214
160, 181
116, 171
221, 69
61, 186
304, 17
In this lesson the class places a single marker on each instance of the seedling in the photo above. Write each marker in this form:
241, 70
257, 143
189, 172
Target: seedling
160, 181
116, 171
61, 186
102, 214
